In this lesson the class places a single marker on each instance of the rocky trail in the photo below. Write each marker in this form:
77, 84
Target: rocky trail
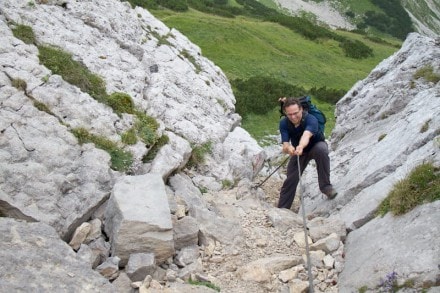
262, 261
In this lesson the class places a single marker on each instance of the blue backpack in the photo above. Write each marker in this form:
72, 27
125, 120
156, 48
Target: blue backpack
306, 103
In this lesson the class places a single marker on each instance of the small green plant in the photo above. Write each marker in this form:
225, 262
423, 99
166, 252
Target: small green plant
73, 72
24, 33
223, 104
198, 154
120, 159
203, 189
146, 127
207, 284
42, 107
191, 58
427, 73
163, 140
45, 78
420, 186
227, 184
19, 84
161, 40
382, 136
425, 126
120, 103
363, 289
129, 137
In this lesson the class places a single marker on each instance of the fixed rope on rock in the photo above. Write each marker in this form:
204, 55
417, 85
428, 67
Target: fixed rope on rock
309, 265
259, 185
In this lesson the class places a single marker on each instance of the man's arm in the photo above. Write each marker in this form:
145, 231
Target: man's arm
303, 142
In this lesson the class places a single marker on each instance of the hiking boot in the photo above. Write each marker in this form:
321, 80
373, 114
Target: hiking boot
331, 193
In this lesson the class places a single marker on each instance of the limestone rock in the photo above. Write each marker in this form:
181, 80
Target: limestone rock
138, 218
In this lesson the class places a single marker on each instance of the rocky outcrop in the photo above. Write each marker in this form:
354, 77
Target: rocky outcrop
387, 124
35, 259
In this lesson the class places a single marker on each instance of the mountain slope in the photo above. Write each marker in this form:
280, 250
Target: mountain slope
425, 14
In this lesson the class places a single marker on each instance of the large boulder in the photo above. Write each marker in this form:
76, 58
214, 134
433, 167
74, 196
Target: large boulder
138, 218
35, 259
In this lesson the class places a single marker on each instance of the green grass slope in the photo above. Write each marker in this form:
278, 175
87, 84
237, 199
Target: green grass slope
244, 47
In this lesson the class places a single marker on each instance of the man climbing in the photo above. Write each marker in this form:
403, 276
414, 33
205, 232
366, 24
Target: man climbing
301, 138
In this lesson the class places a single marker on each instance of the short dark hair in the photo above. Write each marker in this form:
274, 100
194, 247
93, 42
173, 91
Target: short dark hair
291, 101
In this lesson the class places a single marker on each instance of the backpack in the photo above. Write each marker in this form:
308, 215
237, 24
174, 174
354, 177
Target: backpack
306, 103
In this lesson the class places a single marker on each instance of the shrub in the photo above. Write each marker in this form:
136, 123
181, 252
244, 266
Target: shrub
265, 90
24, 33
420, 186
356, 49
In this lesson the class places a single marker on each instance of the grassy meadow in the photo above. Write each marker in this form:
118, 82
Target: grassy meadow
244, 47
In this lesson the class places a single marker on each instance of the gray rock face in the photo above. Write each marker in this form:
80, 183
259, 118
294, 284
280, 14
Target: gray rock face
32, 254
378, 138
138, 218
46, 175
408, 245
387, 124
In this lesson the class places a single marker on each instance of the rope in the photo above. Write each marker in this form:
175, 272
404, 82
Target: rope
309, 266
257, 186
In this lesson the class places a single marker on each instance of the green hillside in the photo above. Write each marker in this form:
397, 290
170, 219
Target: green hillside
245, 47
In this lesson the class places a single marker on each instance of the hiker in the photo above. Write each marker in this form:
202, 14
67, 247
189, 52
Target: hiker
301, 137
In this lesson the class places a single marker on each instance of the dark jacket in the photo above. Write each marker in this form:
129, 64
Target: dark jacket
292, 134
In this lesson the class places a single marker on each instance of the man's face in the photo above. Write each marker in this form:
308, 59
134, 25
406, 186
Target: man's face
294, 113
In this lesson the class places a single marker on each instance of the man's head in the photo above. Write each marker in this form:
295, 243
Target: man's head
293, 110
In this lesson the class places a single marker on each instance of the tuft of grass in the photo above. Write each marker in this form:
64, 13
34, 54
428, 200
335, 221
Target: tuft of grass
427, 73
421, 186
146, 127
198, 154
191, 58
129, 137
19, 84
163, 140
73, 72
207, 284
120, 103
120, 159
227, 184
425, 126
43, 107
24, 33
382, 136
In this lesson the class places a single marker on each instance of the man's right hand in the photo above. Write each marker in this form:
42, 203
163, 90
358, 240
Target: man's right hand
289, 149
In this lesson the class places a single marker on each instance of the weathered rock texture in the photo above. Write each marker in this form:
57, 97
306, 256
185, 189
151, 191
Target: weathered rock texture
158, 207
387, 124
33, 255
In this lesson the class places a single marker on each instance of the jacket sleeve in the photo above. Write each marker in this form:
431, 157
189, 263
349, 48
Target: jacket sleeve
284, 130
311, 124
